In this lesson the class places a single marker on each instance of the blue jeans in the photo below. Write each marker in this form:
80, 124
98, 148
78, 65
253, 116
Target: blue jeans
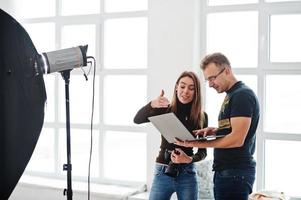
233, 184
185, 184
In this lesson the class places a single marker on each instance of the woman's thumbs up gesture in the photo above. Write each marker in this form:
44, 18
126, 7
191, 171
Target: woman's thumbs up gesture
160, 101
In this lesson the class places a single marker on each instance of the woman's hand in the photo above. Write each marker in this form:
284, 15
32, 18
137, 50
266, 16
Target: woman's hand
205, 131
160, 101
179, 156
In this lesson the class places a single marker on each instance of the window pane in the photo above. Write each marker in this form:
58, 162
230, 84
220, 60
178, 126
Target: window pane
79, 7
80, 99
49, 108
282, 167
33, 8
230, 2
125, 5
123, 96
43, 158
42, 36
80, 151
75, 35
125, 43
283, 108
285, 38
233, 33
125, 156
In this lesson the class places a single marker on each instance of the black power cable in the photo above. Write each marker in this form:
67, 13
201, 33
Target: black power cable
92, 116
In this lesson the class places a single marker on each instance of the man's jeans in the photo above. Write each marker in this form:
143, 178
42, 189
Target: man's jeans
233, 184
185, 184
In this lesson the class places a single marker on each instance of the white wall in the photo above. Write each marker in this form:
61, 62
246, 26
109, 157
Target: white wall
172, 27
173, 48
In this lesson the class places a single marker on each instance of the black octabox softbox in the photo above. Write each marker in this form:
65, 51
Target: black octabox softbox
22, 100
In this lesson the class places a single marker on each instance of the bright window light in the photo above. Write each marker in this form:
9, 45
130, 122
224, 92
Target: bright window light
43, 159
233, 33
282, 107
123, 97
80, 92
33, 8
80, 149
285, 44
79, 7
281, 175
125, 5
42, 35
125, 43
75, 35
230, 2
124, 156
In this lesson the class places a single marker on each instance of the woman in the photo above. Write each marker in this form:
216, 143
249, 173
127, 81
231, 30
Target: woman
175, 170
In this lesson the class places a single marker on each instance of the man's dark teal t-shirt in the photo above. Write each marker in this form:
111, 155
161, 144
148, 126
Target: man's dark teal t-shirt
240, 101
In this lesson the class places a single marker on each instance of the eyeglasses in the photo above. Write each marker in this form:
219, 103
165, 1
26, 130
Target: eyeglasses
212, 78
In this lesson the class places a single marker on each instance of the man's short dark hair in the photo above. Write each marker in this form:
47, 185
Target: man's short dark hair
217, 58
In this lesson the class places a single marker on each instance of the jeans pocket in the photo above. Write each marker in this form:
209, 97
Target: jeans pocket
159, 170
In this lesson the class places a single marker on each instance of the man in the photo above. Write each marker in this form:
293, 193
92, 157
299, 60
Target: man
233, 163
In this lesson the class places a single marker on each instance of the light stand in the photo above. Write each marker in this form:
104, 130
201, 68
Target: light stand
68, 167
64, 61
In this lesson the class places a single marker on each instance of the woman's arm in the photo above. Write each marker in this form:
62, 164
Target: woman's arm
143, 114
155, 107
147, 111
179, 156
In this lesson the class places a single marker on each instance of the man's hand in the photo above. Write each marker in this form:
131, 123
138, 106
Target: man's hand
205, 131
160, 101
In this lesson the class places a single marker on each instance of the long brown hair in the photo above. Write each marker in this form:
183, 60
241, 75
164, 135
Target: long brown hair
196, 112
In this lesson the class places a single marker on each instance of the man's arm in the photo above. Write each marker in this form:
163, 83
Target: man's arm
240, 127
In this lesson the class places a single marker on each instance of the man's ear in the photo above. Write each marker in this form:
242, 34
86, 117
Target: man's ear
228, 70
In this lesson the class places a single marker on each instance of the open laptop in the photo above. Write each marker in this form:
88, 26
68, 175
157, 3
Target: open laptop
171, 127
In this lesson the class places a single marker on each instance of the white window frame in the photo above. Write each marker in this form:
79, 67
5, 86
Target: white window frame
265, 67
98, 20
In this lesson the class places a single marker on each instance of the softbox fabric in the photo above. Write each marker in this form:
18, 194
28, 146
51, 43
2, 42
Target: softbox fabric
22, 100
